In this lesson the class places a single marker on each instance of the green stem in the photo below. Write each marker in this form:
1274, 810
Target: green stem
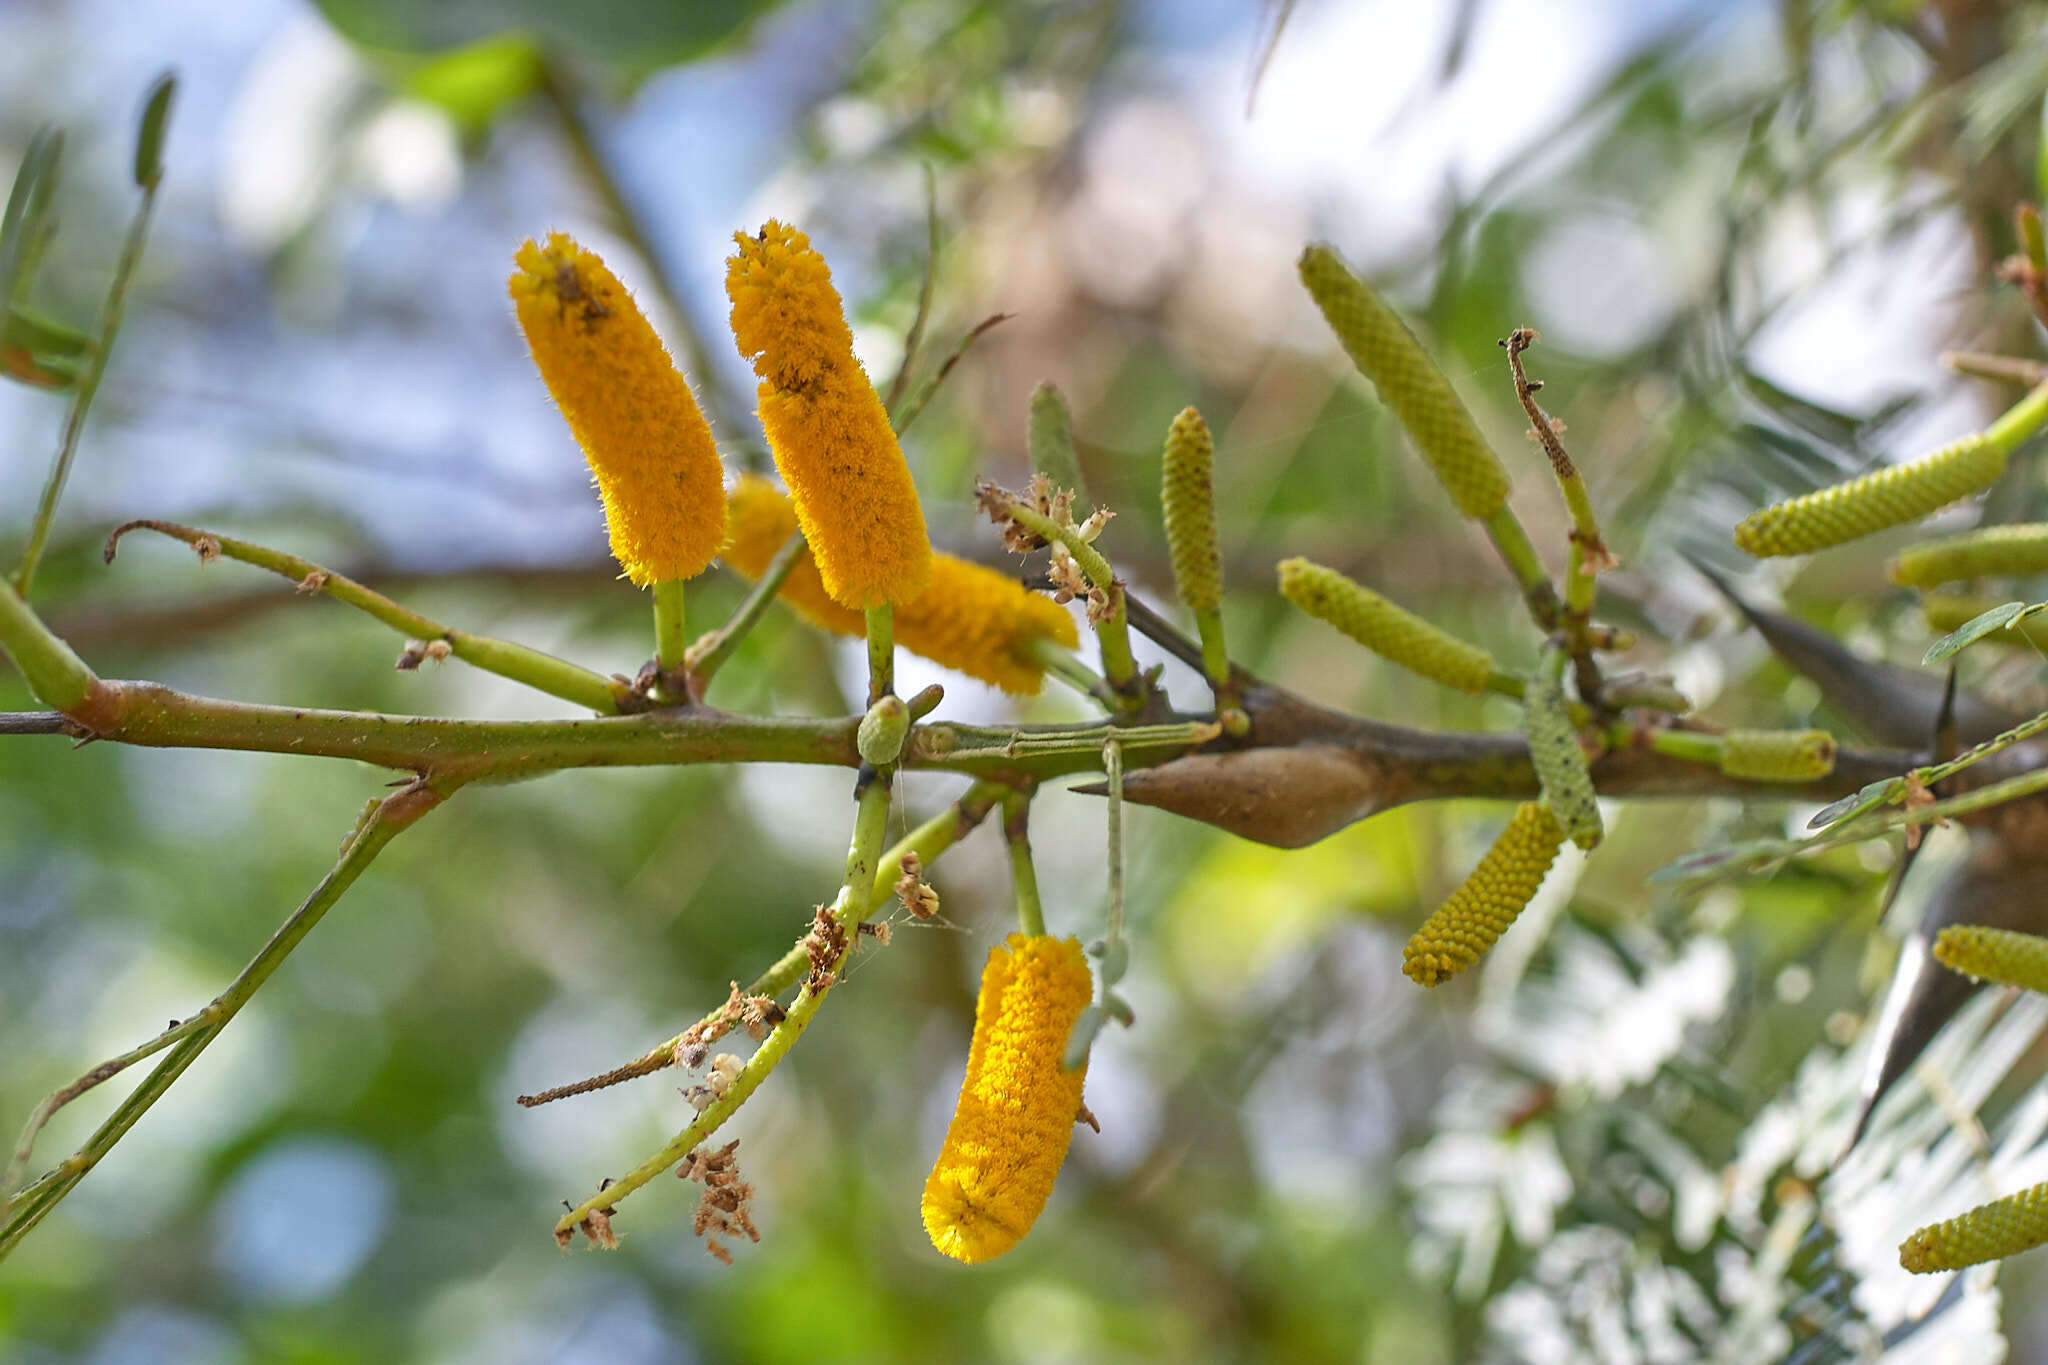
1023, 876
2019, 421
57, 676
1695, 746
1056, 660
88, 389
671, 632
390, 817
1113, 765
881, 653
1516, 551
708, 655
848, 909
1215, 656
1119, 665
542, 672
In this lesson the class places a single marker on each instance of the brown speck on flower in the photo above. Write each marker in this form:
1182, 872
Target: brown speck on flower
917, 895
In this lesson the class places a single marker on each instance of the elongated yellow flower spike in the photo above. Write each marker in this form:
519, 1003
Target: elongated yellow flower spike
1778, 755
968, 617
647, 444
825, 423
1989, 1232
1480, 911
2006, 956
1945, 612
1187, 495
1384, 628
1873, 502
1994, 550
1017, 1105
1387, 353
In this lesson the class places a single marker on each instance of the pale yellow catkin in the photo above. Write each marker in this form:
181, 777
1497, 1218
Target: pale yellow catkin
1384, 628
1409, 382
1778, 755
1458, 934
1992, 551
1187, 497
1873, 502
2006, 956
1989, 1232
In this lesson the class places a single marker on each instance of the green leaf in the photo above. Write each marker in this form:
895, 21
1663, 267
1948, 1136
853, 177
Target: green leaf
28, 207
1872, 796
472, 84
1973, 630
634, 38
149, 134
39, 352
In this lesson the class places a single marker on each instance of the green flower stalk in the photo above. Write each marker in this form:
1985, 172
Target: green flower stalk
1384, 628
2006, 956
1187, 496
2000, 551
1387, 353
1989, 1232
1480, 911
1561, 767
1778, 755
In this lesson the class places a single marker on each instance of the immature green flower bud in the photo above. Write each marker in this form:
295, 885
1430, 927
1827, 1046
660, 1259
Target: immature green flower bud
1187, 495
1384, 628
1874, 502
1051, 437
1989, 1232
1388, 354
880, 738
1994, 550
2002, 955
1561, 767
1480, 911
1778, 755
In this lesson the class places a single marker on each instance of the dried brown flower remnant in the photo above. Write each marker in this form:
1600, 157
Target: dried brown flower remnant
825, 944
726, 1206
917, 895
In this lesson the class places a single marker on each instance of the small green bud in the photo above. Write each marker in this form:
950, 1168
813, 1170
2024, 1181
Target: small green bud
1778, 755
1387, 353
1187, 496
1051, 437
1385, 629
882, 730
1873, 502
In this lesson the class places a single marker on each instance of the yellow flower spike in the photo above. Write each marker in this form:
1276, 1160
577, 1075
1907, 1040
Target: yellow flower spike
1017, 1105
1874, 502
1480, 911
1187, 496
1383, 628
1945, 612
1561, 768
968, 617
647, 444
1994, 550
1778, 755
2006, 956
1387, 353
825, 423
1989, 1232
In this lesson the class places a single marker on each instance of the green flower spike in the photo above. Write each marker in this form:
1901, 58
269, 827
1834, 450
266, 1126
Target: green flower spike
1874, 502
1989, 1232
1995, 551
1187, 495
1480, 911
2002, 955
1778, 755
1385, 629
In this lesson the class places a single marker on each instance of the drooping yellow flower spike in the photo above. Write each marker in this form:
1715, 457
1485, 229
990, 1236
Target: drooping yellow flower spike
1384, 628
648, 446
2006, 956
968, 617
1992, 551
1989, 1232
826, 425
1480, 911
1778, 755
1387, 353
1017, 1105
